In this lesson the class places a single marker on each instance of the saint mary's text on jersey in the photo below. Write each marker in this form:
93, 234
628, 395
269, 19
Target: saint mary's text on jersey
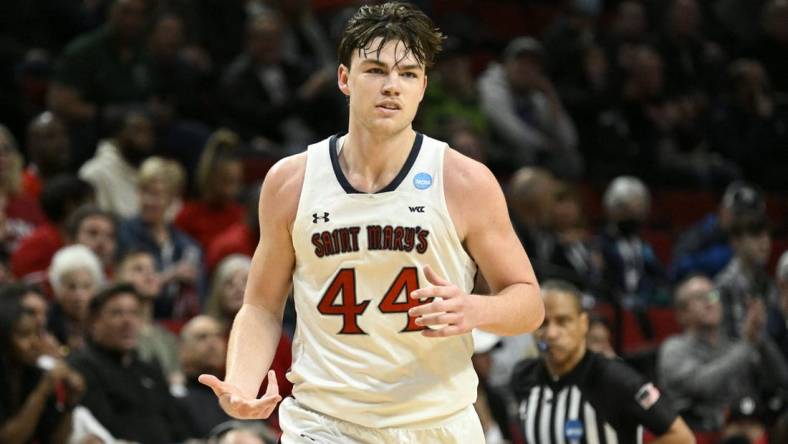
385, 237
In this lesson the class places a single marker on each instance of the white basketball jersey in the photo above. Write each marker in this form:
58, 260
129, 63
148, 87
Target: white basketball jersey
357, 355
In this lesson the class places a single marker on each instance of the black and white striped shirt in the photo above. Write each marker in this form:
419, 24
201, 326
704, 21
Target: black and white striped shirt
601, 401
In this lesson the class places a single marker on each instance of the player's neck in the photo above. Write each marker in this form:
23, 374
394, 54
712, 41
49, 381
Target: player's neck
370, 161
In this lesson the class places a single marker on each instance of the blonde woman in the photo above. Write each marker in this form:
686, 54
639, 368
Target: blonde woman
178, 257
19, 213
227, 289
219, 182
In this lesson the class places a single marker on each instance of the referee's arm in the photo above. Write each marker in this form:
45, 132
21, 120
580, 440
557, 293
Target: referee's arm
678, 433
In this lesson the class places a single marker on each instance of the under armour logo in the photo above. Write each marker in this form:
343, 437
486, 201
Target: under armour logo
316, 218
416, 209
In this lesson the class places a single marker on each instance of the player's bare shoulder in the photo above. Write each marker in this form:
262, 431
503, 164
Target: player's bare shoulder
471, 190
282, 188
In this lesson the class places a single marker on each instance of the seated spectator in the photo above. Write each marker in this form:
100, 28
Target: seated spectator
155, 343
35, 402
227, 289
20, 213
266, 97
177, 255
705, 247
745, 277
703, 371
97, 230
75, 276
531, 197
747, 115
203, 350
101, 72
35, 303
772, 47
631, 269
129, 397
114, 169
48, 148
527, 119
61, 196
239, 238
777, 323
574, 256
219, 181
598, 337
604, 396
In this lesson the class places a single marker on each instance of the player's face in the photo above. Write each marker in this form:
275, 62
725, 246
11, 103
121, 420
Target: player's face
563, 330
384, 88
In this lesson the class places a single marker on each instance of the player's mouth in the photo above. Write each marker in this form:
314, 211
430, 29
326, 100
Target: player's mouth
388, 107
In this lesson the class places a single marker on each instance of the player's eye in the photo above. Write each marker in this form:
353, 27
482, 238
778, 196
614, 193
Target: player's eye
410, 74
375, 71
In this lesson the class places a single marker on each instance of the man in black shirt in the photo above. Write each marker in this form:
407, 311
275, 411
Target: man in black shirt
572, 395
129, 397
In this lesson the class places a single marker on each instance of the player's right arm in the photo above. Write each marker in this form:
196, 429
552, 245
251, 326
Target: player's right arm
258, 325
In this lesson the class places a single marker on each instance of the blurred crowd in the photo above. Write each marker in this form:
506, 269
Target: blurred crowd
134, 135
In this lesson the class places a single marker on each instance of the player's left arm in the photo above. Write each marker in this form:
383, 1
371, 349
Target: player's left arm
478, 209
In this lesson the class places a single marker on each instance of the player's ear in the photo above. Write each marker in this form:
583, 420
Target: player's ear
583, 319
423, 87
343, 73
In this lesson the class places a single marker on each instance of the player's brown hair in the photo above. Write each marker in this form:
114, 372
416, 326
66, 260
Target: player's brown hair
391, 21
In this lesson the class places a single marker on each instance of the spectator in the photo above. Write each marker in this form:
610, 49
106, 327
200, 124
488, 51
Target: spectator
239, 238
772, 47
113, 170
705, 247
177, 255
243, 432
61, 196
227, 291
35, 303
525, 113
48, 148
777, 323
219, 181
598, 337
203, 350
75, 276
21, 214
155, 343
32, 406
453, 94
745, 277
102, 71
97, 230
604, 396
747, 116
267, 97
129, 397
703, 371
631, 269
531, 199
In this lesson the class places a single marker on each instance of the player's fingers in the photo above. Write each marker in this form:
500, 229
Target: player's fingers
273, 384
433, 277
433, 292
436, 306
439, 319
451, 330
214, 383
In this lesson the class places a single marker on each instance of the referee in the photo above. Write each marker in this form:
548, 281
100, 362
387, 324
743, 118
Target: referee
574, 396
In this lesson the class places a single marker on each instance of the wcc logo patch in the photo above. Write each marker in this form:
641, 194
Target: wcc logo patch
422, 181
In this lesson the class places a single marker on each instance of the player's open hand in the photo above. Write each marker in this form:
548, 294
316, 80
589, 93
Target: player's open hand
452, 312
239, 406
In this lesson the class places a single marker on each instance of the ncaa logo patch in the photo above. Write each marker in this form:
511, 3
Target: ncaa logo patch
573, 430
422, 181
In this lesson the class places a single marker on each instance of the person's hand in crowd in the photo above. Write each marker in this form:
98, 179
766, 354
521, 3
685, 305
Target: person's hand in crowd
754, 321
65, 383
183, 271
239, 405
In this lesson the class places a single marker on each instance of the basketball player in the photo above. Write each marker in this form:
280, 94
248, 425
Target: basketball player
380, 232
